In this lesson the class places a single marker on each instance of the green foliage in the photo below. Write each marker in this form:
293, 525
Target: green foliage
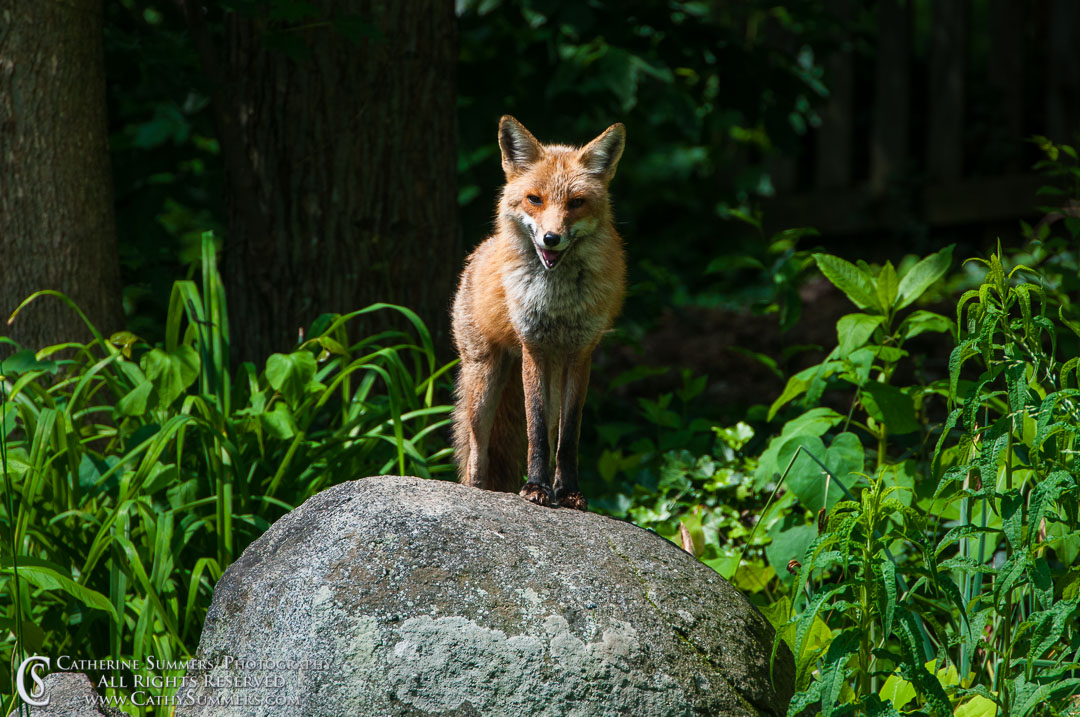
917, 548
963, 598
166, 160
693, 503
686, 78
134, 475
869, 350
677, 472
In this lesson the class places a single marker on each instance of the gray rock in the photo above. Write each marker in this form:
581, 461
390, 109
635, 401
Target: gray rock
71, 694
403, 596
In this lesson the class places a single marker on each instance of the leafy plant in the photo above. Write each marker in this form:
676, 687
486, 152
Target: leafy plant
870, 348
678, 473
134, 475
964, 599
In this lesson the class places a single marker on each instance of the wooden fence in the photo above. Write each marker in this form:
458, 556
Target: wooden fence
927, 126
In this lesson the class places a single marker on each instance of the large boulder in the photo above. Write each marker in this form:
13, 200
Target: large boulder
71, 694
403, 596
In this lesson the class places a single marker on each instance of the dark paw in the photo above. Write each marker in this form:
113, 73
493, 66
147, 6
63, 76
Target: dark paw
571, 499
536, 493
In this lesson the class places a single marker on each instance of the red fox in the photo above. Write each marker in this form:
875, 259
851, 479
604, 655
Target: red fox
535, 298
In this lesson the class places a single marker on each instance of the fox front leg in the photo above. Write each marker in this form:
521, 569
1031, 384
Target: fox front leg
536, 378
575, 384
482, 381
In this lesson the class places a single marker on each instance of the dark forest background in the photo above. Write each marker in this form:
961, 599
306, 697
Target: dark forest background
344, 152
852, 235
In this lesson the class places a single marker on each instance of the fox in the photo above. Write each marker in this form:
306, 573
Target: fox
534, 299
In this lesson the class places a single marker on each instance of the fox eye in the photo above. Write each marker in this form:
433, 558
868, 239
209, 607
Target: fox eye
575, 203
533, 199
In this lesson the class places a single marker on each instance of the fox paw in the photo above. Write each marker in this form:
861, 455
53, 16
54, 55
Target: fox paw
571, 499
536, 493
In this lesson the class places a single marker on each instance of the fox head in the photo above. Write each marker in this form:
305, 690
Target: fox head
555, 195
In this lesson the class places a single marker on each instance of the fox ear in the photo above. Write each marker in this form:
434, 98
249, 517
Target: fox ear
519, 148
601, 156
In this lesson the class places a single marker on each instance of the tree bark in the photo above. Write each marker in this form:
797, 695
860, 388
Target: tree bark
349, 158
57, 227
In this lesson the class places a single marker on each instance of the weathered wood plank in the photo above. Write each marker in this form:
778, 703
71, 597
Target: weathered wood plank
1006, 62
948, 54
1063, 72
889, 135
975, 200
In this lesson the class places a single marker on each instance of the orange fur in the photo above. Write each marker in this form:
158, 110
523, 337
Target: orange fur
534, 299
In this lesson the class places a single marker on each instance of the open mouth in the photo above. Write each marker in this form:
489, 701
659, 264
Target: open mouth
549, 257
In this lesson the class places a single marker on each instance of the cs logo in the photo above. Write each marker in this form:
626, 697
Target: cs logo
36, 697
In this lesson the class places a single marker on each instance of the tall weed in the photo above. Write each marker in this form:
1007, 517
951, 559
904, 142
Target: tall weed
134, 475
942, 579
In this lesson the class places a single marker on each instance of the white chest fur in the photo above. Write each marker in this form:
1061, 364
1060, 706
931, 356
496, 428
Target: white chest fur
560, 307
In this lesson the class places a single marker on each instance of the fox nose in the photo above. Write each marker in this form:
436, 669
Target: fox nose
552, 239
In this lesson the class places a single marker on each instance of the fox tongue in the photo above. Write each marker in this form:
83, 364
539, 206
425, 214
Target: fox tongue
551, 258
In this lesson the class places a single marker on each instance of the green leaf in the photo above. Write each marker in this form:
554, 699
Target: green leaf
778, 613
1042, 583
794, 388
788, 545
860, 364
814, 422
170, 372
876, 708
279, 422
49, 576
1016, 379
963, 351
921, 322
922, 276
834, 671
8, 415
788, 238
854, 330
856, 283
1031, 695
926, 683
887, 285
811, 380
290, 374
1050, 628
977, 706
805, 479
1046, 493
812, 635
135, 401
846, 460
638, 373
890, 406
161, 476
806, 699
1012, 516
751, 578
887, 600
25, 360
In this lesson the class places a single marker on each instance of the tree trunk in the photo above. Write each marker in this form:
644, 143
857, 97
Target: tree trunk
345, 194
57, 228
